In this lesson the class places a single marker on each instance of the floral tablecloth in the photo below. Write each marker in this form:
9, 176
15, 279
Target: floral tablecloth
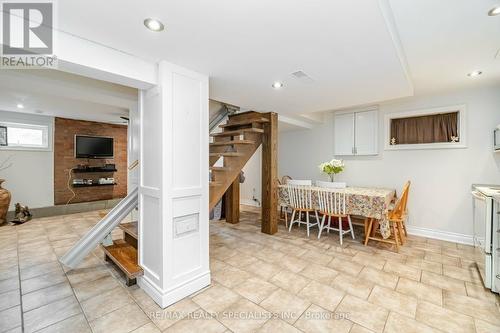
362, 201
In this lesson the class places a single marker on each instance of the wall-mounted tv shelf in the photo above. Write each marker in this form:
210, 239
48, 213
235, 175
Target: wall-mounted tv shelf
96, 184
93, 169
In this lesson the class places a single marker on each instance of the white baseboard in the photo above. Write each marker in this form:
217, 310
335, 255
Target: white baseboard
164, 298
249, 202
440, 234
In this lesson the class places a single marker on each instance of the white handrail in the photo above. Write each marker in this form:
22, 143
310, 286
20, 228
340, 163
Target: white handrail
96, 235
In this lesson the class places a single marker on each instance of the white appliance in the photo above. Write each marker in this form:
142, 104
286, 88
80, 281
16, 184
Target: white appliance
485, 234
495, 283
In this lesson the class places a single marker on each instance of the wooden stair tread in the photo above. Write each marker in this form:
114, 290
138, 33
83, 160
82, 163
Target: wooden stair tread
124, 256
212, 183
226, 154
130, 228
238, 132
245, 122
220, 168
232, 142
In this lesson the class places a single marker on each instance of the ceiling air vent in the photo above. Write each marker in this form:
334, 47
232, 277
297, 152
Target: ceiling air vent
302, 77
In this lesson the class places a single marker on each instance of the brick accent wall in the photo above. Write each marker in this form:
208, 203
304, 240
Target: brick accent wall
64, 159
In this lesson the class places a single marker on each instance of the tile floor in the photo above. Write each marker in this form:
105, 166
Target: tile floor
261, 283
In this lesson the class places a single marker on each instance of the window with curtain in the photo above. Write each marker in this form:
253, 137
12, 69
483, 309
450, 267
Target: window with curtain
425, 129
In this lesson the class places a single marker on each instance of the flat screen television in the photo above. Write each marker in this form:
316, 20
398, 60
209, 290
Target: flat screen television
93, 146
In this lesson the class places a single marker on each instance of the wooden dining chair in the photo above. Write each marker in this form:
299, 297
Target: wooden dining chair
396, 218
399, 213
300, 197
283, 206
333, 204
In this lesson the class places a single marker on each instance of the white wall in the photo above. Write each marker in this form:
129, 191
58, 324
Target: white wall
31, 177
252, 187
441, 179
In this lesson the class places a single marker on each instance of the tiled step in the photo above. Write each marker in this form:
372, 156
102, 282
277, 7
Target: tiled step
124, 256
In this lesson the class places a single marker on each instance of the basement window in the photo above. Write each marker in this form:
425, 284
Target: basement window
21, 136
426, 129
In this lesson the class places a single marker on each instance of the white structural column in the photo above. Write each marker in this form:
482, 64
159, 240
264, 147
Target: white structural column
173, 189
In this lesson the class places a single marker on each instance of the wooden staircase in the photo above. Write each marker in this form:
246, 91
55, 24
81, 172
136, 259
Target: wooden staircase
238, 141
240, 137
123, 253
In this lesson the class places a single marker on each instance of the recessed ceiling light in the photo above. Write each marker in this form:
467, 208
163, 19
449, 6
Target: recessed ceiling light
277, 85
474, 74
20, 106
153, 24
494, 11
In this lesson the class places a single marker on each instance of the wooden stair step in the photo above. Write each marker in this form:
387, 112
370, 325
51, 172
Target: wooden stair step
124, 256
245, 122
232, 142
226, 154
130, 228
214, 183
220, 168
238, 132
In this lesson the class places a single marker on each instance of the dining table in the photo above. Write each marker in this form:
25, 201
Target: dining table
368, 202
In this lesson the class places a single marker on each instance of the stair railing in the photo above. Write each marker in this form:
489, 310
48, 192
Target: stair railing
101, 230
223, 113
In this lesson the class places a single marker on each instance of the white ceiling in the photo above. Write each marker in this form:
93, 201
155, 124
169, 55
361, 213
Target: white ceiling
345, 46
445, 39
54, 93
358, 52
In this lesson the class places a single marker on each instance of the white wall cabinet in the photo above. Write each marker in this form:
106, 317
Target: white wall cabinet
356, 133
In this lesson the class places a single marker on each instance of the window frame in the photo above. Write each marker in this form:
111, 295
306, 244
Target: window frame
24, 122
462, 129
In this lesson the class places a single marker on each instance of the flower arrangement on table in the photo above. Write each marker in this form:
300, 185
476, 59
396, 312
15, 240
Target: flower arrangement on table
332, 168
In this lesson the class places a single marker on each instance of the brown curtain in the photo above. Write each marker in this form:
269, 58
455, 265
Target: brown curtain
425, 129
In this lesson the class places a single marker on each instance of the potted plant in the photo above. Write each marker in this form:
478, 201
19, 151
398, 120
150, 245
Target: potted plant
332, 168
4, 194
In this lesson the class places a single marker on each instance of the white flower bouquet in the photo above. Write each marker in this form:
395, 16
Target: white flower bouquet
332, 168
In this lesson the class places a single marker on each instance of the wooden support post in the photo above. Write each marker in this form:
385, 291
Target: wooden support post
232, 201
270, 175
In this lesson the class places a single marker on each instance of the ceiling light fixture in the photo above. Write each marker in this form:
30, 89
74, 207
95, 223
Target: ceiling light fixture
20, 106
474, 74
494, 11
277, 85
153, 24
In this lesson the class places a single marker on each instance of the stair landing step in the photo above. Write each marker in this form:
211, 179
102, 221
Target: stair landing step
245, 122
238, 132
130, 228
124, 256
232, 142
